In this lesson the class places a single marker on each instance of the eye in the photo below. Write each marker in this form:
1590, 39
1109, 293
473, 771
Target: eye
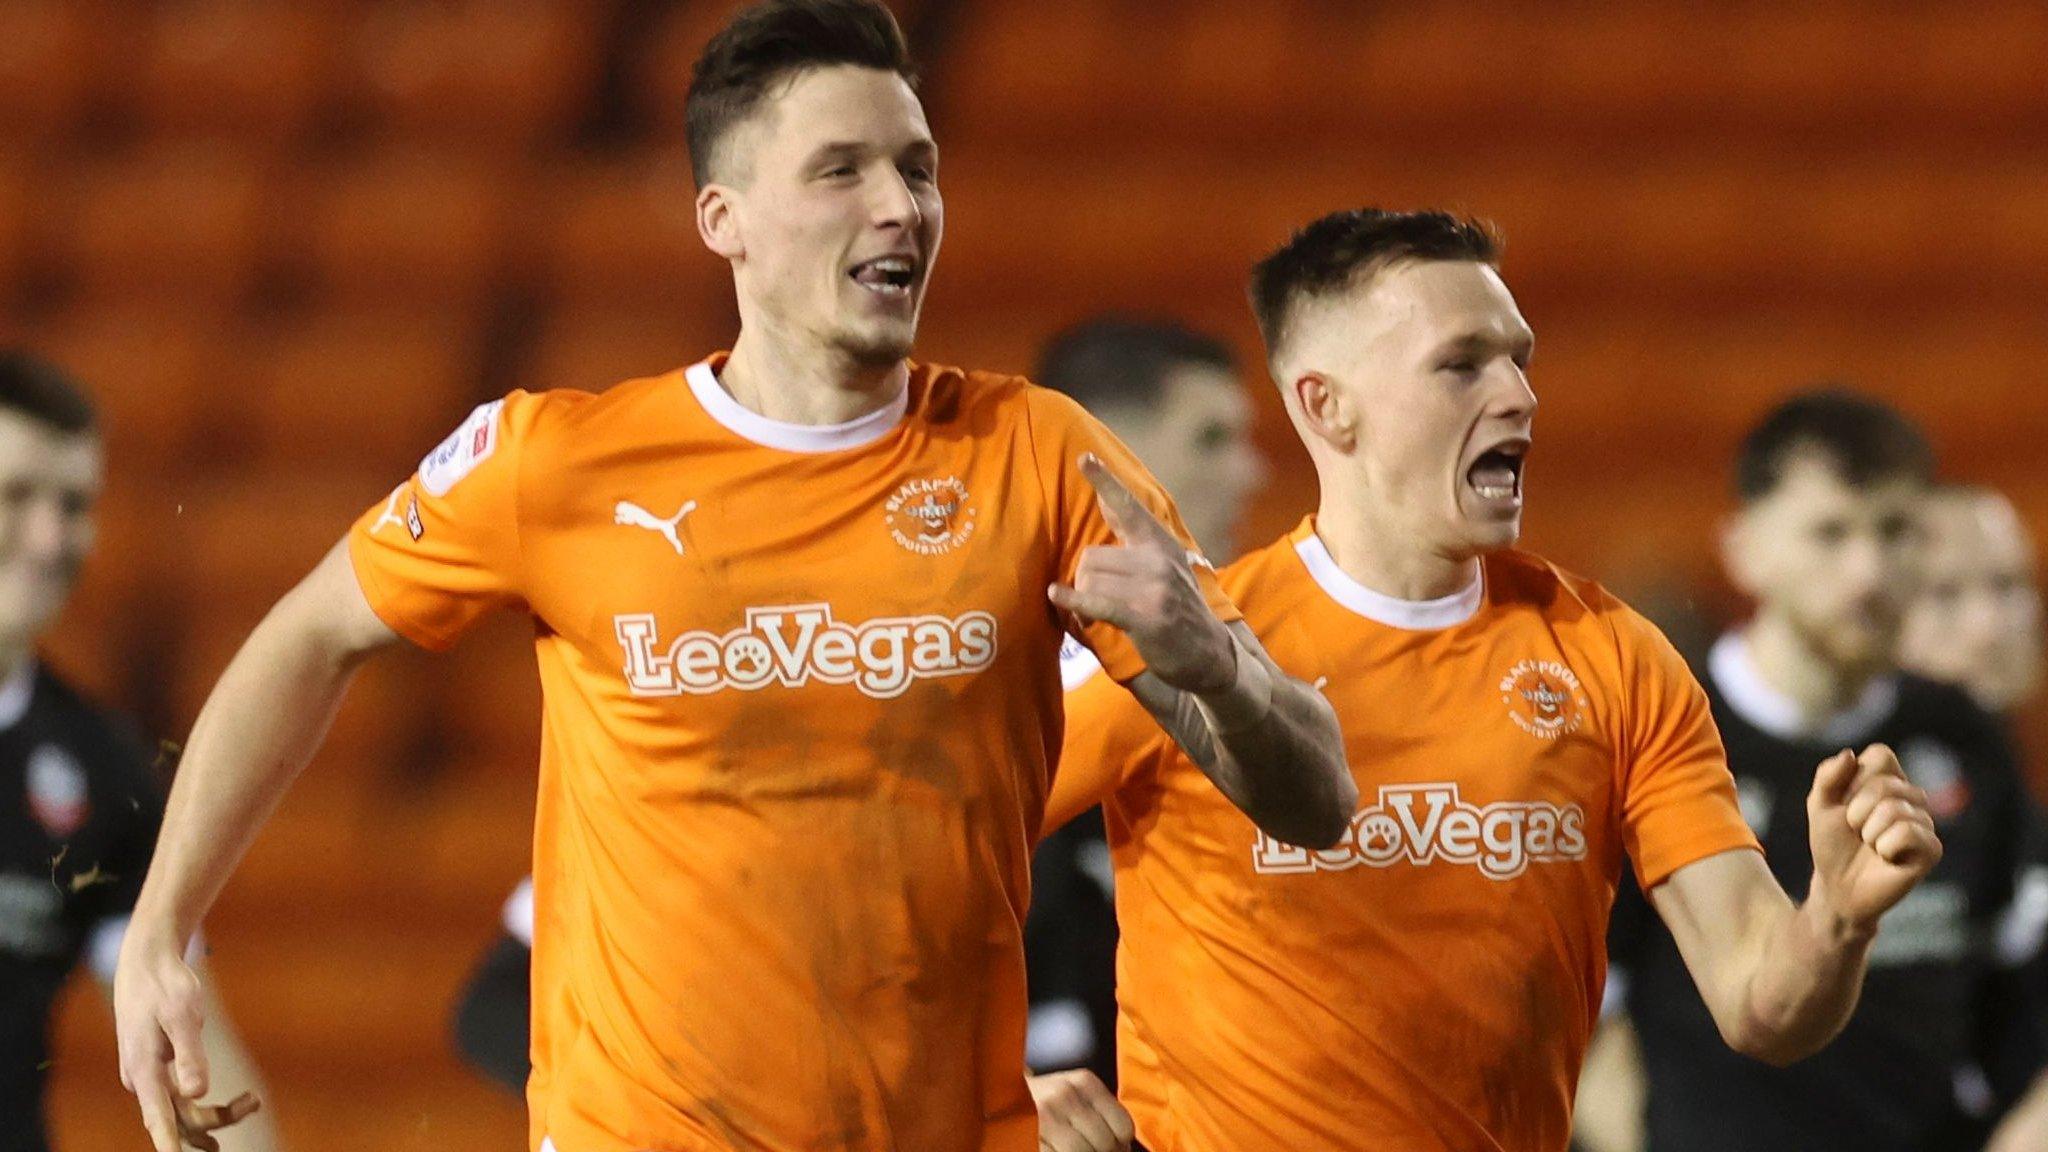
1460, 367
921, 173
838, 172
1213, 438
1896, 529
1831, 532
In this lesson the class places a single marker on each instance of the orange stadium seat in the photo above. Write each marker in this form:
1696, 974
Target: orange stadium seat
591, 349
18, 199
661, 75
372, 389
150, 370
627, 231
413, 224
46, 73
174, 221
251, 69
475, 74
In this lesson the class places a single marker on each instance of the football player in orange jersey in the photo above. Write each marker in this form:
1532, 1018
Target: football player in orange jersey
797, 612
1430, 983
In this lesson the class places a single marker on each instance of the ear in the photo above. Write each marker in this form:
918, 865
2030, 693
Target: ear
718, 222
1325, 411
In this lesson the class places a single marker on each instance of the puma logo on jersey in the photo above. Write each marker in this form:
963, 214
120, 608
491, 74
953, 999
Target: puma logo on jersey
794, 644
1423, 824
634, 516
410, 522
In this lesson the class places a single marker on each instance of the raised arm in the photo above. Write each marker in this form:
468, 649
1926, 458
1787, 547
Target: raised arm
1269, 742
258, 729
1782, 979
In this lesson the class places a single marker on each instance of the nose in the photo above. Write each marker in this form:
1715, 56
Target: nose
1250, 467
895, 205
1518, 398
44, 528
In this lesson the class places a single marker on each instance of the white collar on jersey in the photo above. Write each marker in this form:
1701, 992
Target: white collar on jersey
1776, 714
751, 425
1412, 615
16, 693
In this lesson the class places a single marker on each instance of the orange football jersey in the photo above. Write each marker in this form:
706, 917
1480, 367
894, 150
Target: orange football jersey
801, 691
1430, 983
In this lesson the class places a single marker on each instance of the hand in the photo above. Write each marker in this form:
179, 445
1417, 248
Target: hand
158, 1018
1077, 1114
1145, 585
1871, 835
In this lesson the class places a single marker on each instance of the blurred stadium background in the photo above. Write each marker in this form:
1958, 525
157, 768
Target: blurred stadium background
289, 244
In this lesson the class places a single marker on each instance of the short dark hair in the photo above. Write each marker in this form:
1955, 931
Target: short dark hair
41, 391
1115, 360
1863, 440
772, 41
1335, 252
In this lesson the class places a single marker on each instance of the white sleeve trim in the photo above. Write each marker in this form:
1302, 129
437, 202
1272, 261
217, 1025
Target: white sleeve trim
518, 913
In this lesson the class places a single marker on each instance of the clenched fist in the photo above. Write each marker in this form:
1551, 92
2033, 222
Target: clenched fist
1872, 836
1077, 1114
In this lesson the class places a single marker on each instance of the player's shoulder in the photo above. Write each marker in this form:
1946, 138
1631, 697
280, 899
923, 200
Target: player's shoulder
1515, 578
981, 400
1269, 570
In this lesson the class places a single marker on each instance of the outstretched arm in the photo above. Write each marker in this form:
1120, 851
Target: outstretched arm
258, 729
1269, 742
1781, 979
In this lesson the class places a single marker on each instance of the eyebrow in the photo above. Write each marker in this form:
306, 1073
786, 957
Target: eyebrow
854, 149
1473, 342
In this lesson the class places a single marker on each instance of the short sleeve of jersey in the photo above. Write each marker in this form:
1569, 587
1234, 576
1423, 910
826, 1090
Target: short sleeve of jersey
1061, 434
1110, 740
443, 548
1678, 798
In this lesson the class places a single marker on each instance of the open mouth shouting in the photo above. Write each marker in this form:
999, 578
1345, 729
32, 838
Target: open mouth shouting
889, 277
1495, 476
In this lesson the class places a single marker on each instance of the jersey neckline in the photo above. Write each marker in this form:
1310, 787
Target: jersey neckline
751, 426
1776, 714
16, 693
1407, 615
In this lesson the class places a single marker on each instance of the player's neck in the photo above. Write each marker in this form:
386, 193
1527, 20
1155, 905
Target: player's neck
13, 658
789, 382
1387, 561
1788, 663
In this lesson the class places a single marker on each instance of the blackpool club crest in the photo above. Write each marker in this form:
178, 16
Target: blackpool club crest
1544, 698
930, 517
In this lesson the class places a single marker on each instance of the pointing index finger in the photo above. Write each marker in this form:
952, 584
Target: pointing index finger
1128, 517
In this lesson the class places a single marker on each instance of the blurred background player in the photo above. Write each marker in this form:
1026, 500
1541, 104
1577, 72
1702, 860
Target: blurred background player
79, 803
1431, 981
1977, 619
1977, 623
1174, 397
797, 613
1828, 543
